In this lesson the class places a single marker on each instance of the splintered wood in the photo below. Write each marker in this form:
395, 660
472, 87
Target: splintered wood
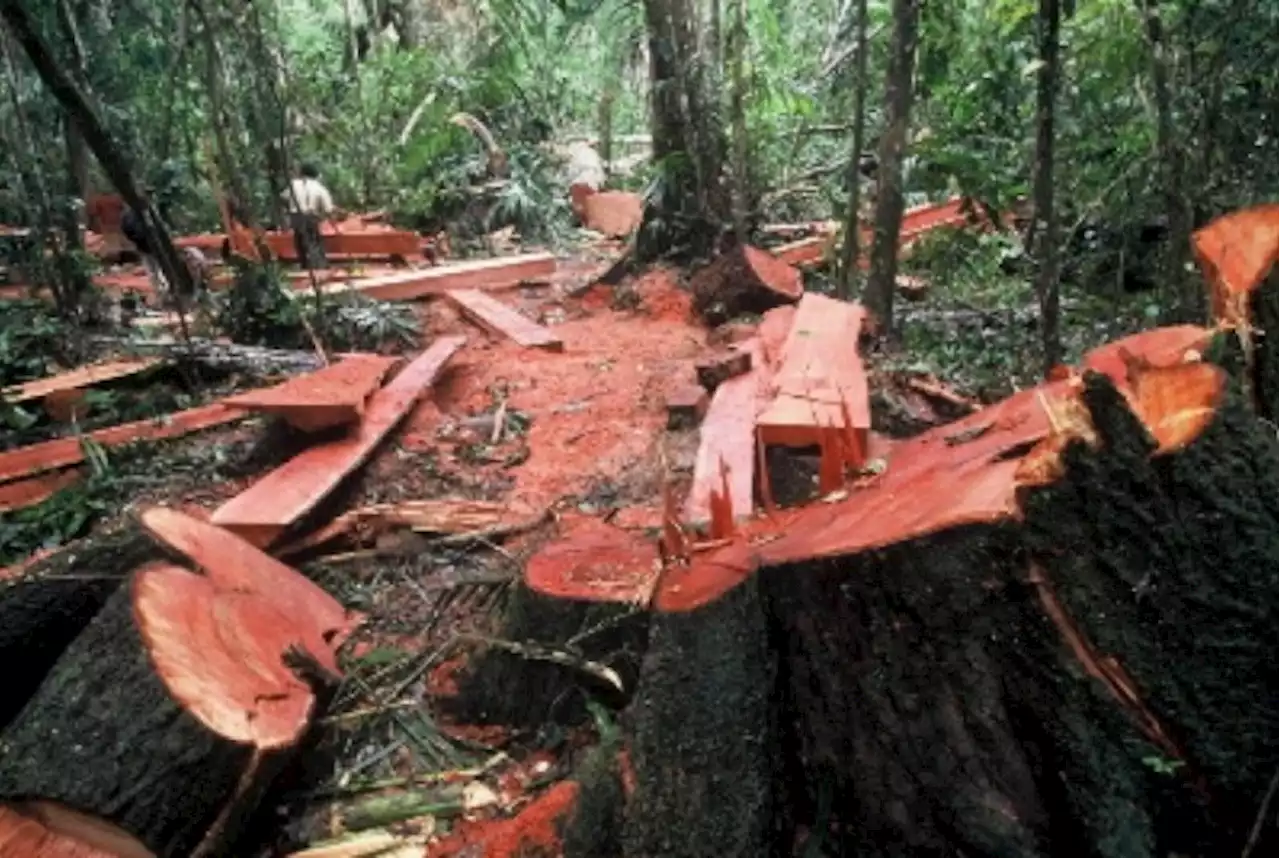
333, 396
263, 512
724, 472
498, 318
821, 397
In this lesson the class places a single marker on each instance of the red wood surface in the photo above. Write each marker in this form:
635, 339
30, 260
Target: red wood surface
64, 452
364, 244
595, 561
498, 318
1235, 253
727, 449
498, 273
332, 396
1158, 347
281, 498
75, 379
21, 494
615, 214
821, 397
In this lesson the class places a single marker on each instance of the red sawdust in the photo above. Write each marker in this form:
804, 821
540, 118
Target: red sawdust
597, 408
532, 829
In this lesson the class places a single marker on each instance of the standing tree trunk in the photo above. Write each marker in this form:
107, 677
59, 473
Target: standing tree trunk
97, 137
893, 145
852, 237
75, 278
688, 141
1187, 299
1046, 216
737, 50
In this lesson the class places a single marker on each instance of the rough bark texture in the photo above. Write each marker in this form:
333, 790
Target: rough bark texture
47, 605
102, 735
1266, 351
701, 737
507, 688
744, 280
220, 358
1046, 223
926, 700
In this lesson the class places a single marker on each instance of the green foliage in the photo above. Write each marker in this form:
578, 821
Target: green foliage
32, 338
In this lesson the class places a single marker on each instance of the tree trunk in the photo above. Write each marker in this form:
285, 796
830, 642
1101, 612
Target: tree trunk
1186, 298
737, 50
1094, 679
98, 138
1047, 289
852, 222
892, 150
688, 141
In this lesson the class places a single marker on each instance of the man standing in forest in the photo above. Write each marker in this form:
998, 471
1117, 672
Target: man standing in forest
308, 202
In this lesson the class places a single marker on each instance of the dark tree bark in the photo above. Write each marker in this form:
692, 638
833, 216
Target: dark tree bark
688, 140
852, 221
97, 137
1047, 290
893, 145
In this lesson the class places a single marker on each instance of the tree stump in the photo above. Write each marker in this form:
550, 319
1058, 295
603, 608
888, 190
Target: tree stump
743, 280
1045, 630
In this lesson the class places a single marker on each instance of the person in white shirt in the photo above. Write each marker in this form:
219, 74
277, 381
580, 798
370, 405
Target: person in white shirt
308, 203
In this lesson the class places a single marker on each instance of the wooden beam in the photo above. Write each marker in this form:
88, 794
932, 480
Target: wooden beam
499, 273
76, 379
21, 494
333, 396
270, 506
821, 397
64, 452
500, 319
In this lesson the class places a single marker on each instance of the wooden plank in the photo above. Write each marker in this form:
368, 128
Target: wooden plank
333, 396
281, 498
499, 273
821, 397
64, 452
498, 318
726, 463
81, 377
21, 494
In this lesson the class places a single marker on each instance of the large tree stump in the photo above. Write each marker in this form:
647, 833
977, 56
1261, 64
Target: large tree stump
1046, 630
743, 280
170, 714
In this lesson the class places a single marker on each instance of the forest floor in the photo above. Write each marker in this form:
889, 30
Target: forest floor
575, 434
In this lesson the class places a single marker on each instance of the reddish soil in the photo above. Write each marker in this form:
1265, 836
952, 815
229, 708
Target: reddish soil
532, 832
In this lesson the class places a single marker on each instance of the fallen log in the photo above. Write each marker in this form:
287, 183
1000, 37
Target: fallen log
1046, 629
743, 280
220, 358
167, 717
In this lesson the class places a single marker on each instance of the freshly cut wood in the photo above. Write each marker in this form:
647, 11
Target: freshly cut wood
41, 829
743, 280
21, 494
923, 219
282, 498
166, 717
231, 563
821, 396
48, 600
365, 244
686, 406
615, 214
595, 562
1158, 347
64, 452
498, 318
333, 396
724, 473
805, 251
717, 369
442, 516
1036, 646
501, 273
85, 376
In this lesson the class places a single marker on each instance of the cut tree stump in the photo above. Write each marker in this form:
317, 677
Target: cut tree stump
333, 396
497, 318
270, 506
168, 715
743, 280
714, 371
1032, 636
501, 273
